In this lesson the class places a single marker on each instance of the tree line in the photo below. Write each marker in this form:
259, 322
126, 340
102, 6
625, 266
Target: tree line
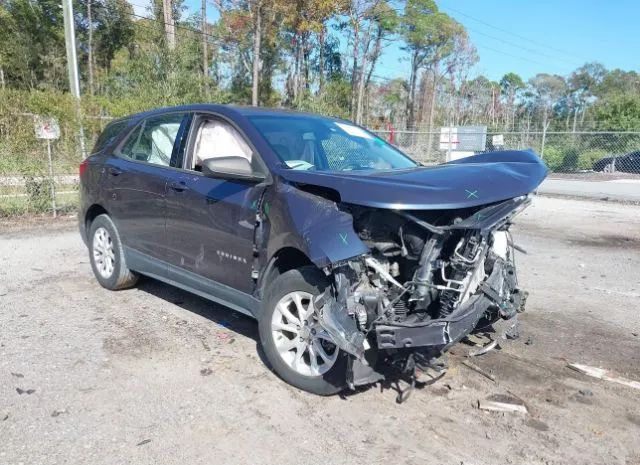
316, 55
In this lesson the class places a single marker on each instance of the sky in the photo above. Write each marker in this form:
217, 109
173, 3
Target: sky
529, 37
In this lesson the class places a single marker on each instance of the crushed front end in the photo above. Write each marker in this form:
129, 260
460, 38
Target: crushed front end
430, 279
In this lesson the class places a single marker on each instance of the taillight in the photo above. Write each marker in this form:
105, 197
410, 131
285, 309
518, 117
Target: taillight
83, 167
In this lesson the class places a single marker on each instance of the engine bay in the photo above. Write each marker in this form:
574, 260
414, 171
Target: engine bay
430, 278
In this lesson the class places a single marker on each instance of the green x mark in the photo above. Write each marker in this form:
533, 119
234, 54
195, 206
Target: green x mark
343, 237
479, 216
471, 195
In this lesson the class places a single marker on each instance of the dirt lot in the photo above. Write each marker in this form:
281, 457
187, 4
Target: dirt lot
155, 375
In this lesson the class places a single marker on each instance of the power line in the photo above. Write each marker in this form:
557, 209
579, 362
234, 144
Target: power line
517, 57
540, 44
216, 37
184, 28
506, 42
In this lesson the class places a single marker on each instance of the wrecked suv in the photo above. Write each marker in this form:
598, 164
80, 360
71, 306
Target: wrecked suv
356, 261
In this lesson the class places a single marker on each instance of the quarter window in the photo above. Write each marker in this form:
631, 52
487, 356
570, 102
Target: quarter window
153, 140
108, 135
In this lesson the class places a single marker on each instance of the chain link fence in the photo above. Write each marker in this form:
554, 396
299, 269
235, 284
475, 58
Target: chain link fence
563, 152
29, 184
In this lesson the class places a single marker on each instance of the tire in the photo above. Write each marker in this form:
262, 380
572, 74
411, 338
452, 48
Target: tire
107, 255
309, 281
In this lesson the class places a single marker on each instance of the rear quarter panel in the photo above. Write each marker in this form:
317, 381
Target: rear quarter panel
90, 190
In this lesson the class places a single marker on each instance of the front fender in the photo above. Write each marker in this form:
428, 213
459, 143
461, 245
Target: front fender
316, 226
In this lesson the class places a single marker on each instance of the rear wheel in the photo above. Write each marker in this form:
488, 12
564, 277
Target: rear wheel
107, 255
300, 351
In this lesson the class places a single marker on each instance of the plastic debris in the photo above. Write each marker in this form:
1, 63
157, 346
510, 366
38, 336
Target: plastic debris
603, 374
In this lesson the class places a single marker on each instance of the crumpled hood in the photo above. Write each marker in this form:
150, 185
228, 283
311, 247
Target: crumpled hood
468, 182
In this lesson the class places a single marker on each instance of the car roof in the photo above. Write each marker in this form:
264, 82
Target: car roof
246, 111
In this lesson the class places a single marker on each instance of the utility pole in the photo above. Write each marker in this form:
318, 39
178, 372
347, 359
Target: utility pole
257, 38
70, 41
90, 46
169, 24
205, 65
72, 64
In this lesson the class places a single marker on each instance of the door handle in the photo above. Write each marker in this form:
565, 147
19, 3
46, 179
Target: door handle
115, 171
178, 186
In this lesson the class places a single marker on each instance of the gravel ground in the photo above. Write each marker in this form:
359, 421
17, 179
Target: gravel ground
155, 375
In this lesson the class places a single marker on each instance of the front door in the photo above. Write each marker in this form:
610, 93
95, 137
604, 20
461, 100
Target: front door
211, 221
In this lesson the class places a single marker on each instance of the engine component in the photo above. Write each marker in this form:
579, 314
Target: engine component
360, 313
462, 265
377, 266
334, 318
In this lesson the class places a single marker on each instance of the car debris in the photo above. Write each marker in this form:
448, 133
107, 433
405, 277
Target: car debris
477, 369
483, 349
603, 374
503, 403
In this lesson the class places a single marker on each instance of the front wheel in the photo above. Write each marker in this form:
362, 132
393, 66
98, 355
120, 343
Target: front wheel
300, 351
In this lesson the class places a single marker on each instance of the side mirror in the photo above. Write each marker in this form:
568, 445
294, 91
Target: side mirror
237, 168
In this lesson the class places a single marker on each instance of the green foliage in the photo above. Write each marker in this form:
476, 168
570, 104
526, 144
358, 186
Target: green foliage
511, 83
39, 194
587, 158
32, 44
333, 100
571, 157
619, 112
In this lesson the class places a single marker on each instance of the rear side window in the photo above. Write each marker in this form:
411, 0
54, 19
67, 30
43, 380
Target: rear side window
109, 134
153, 140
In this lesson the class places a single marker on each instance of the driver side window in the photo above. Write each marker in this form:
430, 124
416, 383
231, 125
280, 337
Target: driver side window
217, 139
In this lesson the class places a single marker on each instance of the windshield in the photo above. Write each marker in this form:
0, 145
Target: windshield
323, 144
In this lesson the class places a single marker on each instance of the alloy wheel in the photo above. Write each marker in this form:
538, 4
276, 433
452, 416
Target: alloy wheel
299, 339
103, 254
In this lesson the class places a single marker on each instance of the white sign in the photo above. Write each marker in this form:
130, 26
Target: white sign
465, 138
448, 138
47, 128
497, 140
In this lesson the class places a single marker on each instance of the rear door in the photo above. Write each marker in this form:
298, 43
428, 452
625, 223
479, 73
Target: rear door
136, 183
211, 221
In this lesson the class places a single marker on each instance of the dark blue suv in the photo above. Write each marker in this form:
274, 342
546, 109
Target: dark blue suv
358, 263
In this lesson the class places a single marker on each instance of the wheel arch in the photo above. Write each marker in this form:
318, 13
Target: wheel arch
283, 260
92, 213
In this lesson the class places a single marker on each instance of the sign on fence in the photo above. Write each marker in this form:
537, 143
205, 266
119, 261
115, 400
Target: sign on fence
497, 140
463, 138
47, 128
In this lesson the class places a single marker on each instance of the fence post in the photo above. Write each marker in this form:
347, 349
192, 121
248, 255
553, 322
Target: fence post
53, 180
613, 165
544, 138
